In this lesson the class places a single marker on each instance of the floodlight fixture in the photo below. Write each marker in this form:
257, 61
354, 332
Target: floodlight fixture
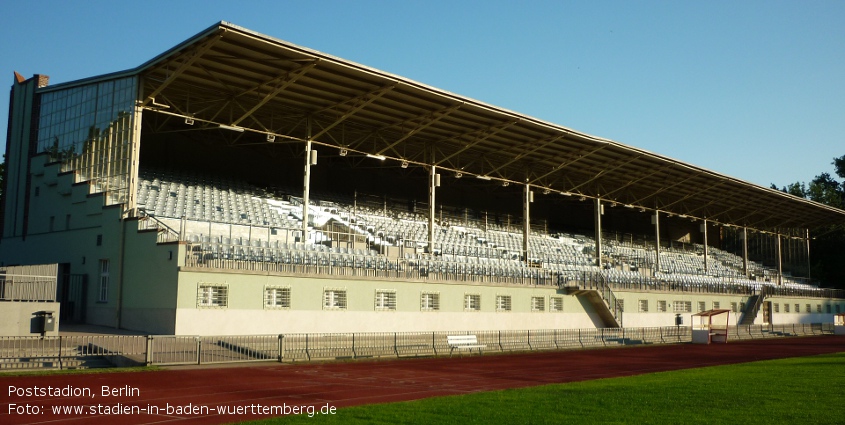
232, 128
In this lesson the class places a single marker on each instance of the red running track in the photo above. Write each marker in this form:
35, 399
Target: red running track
213, 393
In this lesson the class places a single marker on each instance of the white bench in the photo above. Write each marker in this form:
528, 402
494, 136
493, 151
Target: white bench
463, 342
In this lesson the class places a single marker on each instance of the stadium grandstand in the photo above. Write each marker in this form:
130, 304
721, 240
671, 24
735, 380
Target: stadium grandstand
240, 184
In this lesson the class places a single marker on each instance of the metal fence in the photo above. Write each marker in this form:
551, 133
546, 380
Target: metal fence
28, 283
67, 352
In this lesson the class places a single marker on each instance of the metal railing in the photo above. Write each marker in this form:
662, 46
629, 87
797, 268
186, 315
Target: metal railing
293, 261
27, 288
28, 283
148, 221
63, 352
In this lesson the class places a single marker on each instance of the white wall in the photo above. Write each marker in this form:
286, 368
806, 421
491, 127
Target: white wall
16, 317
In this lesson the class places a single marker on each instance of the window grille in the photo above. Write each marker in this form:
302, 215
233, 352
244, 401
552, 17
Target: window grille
555, 304
385, 300
212, 295
538, 304
276, 297
472, 302
503, 303
430, 301
104, 281
334, 299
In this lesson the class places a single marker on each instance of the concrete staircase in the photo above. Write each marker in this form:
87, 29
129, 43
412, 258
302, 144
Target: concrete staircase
53, 362
598, 293
752, 308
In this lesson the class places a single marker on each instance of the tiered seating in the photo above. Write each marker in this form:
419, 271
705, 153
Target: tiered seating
227, 219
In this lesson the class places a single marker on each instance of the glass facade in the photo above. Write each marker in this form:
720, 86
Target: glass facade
89, 129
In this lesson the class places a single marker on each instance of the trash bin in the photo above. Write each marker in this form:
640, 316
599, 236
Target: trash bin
43, 322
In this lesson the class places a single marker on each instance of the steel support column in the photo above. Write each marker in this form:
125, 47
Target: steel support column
432, 184
526, 216
706, 248
598, 212
656, 243
745, 252
306, 185
780, 259
809, 264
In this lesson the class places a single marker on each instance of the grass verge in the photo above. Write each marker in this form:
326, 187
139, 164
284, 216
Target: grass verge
796, 390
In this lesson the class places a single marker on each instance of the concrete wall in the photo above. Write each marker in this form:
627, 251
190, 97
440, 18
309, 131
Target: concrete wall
148, 295
16, 317
68, 225
245, 313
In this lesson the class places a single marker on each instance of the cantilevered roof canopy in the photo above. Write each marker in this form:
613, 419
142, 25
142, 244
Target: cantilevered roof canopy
230, 76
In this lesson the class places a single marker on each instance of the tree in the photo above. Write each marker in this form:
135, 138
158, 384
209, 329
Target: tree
827, 248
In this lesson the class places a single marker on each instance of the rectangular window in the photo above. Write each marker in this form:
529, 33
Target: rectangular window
430, 301
818, 308
682, 306
555, 304
472, 302
777, 308
734, 307
809, 309
334, 299
702, 306
276, 297
716, 305
621, 304
827, 308
538, 304
385, 300
797, 308
661, 306
212, 295
503, 303
643, 306
104, 281
786, 307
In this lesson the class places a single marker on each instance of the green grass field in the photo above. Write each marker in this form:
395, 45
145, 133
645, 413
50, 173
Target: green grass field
804, 390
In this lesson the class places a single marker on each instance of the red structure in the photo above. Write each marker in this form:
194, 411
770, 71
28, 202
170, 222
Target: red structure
711, 326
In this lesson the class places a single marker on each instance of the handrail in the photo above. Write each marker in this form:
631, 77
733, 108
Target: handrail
148, 221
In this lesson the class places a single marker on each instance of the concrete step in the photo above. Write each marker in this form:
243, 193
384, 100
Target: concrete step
46, 363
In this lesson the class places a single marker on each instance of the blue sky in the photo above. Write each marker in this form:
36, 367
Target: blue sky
751, 89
